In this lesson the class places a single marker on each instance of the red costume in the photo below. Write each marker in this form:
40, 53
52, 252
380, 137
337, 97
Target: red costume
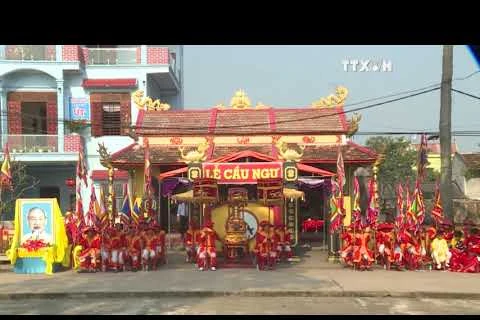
149, 253
347, 247
192, 240
384, 243
362, 256
272, 247
262, 246
134, 248
284, 239
160, 249
465, 255
207, 250
90, 253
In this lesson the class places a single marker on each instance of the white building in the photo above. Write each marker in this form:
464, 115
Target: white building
43, 87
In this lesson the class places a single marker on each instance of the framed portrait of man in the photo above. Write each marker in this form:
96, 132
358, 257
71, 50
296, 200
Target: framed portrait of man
37, 220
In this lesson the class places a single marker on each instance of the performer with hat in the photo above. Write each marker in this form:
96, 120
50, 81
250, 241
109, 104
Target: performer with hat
160, 249
272, 242
118, 246
284, 239
347, 246
384, 242
149, 250
134, 247
362, 255
192, 238
106, 247
90, 252
207, 250
261, 246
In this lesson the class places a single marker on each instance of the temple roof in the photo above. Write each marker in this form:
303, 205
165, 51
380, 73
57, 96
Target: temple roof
269, 121
133, 155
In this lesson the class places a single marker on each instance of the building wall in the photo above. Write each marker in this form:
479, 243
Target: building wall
473, 188
52, 176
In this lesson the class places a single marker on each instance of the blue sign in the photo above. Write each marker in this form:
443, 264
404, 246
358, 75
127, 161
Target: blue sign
80, 109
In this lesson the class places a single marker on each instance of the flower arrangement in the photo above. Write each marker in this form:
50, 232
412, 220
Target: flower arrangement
34, 245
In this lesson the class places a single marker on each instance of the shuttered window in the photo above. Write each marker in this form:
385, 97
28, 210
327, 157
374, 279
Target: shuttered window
111, 120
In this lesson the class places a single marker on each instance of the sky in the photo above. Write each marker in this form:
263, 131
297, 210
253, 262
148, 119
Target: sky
295, 76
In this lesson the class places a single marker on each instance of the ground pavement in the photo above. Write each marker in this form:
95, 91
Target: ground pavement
313, 277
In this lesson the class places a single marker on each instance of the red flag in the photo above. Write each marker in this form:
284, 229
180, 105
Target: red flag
6, 171
148, 177
79, 205
437, 211
81, 166
93, 209
422, 158
356, 210
341, 179
373, 210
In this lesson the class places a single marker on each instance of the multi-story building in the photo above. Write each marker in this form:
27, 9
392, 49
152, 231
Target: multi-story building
43, 88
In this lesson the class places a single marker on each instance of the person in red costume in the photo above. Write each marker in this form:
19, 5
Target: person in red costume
134, 247
384, 243
272, 241
284, 239
362, 255
192, 239
262, 245
207, 253
347, 247
149, 250
160, 250
413, 251
90, 253
118, 248
106, 247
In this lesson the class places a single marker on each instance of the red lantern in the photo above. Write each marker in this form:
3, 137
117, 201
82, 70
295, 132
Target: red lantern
70, 182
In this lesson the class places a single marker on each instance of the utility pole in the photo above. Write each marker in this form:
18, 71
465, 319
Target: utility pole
446, 132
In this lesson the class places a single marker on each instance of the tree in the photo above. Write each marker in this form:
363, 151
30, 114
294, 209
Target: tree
22, 182
396, 167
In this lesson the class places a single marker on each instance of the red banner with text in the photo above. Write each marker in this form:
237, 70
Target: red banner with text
245, 172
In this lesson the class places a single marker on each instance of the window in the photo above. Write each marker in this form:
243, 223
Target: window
34, 118
111, 121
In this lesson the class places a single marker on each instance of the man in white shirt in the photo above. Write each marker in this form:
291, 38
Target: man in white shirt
37, 222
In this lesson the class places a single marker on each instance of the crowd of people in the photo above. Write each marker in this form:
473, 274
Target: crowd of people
123, 247
431, 247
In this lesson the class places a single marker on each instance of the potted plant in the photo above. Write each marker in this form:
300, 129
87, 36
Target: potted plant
76, 125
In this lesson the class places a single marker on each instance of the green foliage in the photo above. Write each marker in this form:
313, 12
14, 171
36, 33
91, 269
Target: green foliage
399, 159
22, 182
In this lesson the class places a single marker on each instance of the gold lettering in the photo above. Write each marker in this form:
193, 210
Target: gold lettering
264, 174
274, 172
256, 174
216, 172
236, 173
244, 173
207, 173
227, 174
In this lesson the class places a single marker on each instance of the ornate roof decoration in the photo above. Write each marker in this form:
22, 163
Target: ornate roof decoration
332, 100
147, 103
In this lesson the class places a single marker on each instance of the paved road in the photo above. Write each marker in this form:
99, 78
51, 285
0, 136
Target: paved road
245, 305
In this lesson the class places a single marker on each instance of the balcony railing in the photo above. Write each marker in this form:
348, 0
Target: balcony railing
105, 56
32, 143
29, 53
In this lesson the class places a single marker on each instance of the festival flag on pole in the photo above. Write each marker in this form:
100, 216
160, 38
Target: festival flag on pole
416, 212
103, 214
373, 210
399, 199
437, 211
336, 215
6, 171
356, 210
136, 211
148, 177
126, 211
81, 166
422, 158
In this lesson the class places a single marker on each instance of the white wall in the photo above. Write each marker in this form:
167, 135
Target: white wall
473, 188
31, 79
